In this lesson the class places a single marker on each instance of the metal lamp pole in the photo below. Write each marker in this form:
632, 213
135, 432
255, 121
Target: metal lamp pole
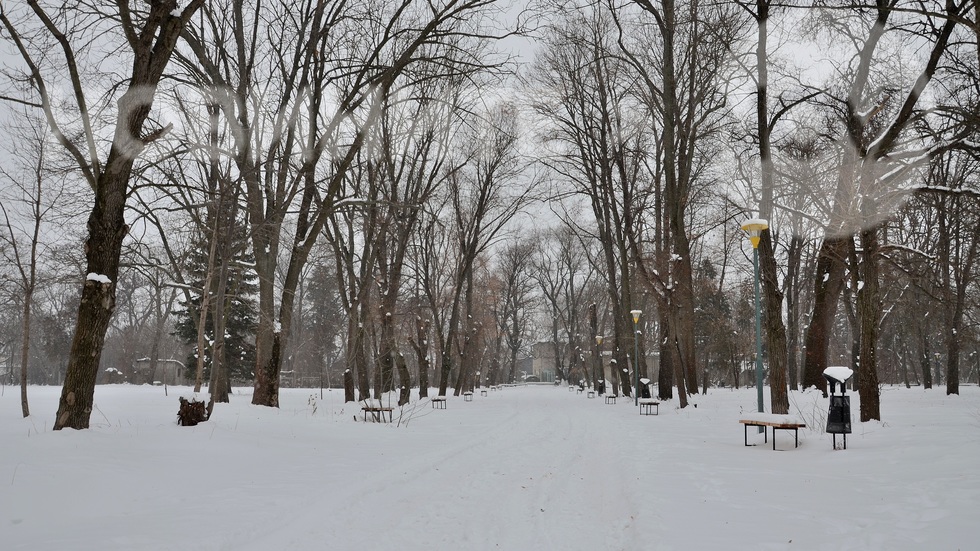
636, 357
755, 227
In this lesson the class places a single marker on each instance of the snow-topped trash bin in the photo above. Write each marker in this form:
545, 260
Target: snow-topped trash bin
839, 415
645, 388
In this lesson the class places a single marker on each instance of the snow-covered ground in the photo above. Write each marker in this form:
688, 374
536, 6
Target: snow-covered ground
534, 467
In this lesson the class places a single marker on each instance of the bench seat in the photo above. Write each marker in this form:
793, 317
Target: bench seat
777, 422
649, 407
378, 413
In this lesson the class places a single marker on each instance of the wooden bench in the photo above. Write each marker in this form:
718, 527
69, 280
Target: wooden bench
777, 422
377, 413
467, 396
571, 388
483, 393
591, 394
439, 402
610, 399
649, 407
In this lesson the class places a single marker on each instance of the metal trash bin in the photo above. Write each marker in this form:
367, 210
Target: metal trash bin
645, 389
839, 415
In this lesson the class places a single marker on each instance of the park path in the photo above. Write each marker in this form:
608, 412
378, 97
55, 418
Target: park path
522, 468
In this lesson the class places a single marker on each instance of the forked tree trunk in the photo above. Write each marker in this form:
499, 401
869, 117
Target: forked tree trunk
106, 223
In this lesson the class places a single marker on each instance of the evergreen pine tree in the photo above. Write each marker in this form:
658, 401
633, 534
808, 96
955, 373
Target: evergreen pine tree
241, 316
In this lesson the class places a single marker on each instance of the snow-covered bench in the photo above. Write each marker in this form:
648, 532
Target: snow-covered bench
439, 402
776, 421
467, 396
377, 411
649, 407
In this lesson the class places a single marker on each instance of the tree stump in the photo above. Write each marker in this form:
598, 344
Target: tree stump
191, 413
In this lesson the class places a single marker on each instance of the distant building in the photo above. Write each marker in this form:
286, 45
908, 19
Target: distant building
168, 372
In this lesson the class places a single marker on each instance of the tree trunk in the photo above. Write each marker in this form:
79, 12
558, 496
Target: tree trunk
25, 348
869, 314
772, 306
665, 377
421, 346
772, 297
793, 311
102, 250
386, 357
106, 223
828, 284
348, 386
405, 392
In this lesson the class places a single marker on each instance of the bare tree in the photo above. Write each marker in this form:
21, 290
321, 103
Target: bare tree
582, 88
879, 118
517, 283
52, 42
33, 187
489, 189
330, 70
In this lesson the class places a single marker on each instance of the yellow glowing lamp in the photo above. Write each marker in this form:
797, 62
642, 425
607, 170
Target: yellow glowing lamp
755, 227
636, 315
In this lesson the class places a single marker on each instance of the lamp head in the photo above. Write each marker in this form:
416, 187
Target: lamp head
755, 227
636, 315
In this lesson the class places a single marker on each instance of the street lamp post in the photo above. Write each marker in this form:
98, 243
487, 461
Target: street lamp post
636, 357
755, 227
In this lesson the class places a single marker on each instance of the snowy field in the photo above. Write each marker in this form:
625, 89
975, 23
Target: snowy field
523, 468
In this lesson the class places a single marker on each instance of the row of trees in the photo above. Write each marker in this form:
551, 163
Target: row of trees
321, 182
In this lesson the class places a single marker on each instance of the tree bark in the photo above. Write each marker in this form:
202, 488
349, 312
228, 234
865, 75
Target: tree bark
828, 284
869, 314
152, 47
405, 391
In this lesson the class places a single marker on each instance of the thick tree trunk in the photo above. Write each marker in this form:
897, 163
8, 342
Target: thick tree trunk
793, 311
828, 284
665, 377
421, 346
348, 386
772, 306
926, 363
597, 348
405, 380
675, 363
218, 384
110, 182
267, 376
869, 314
386, 357
102, 250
